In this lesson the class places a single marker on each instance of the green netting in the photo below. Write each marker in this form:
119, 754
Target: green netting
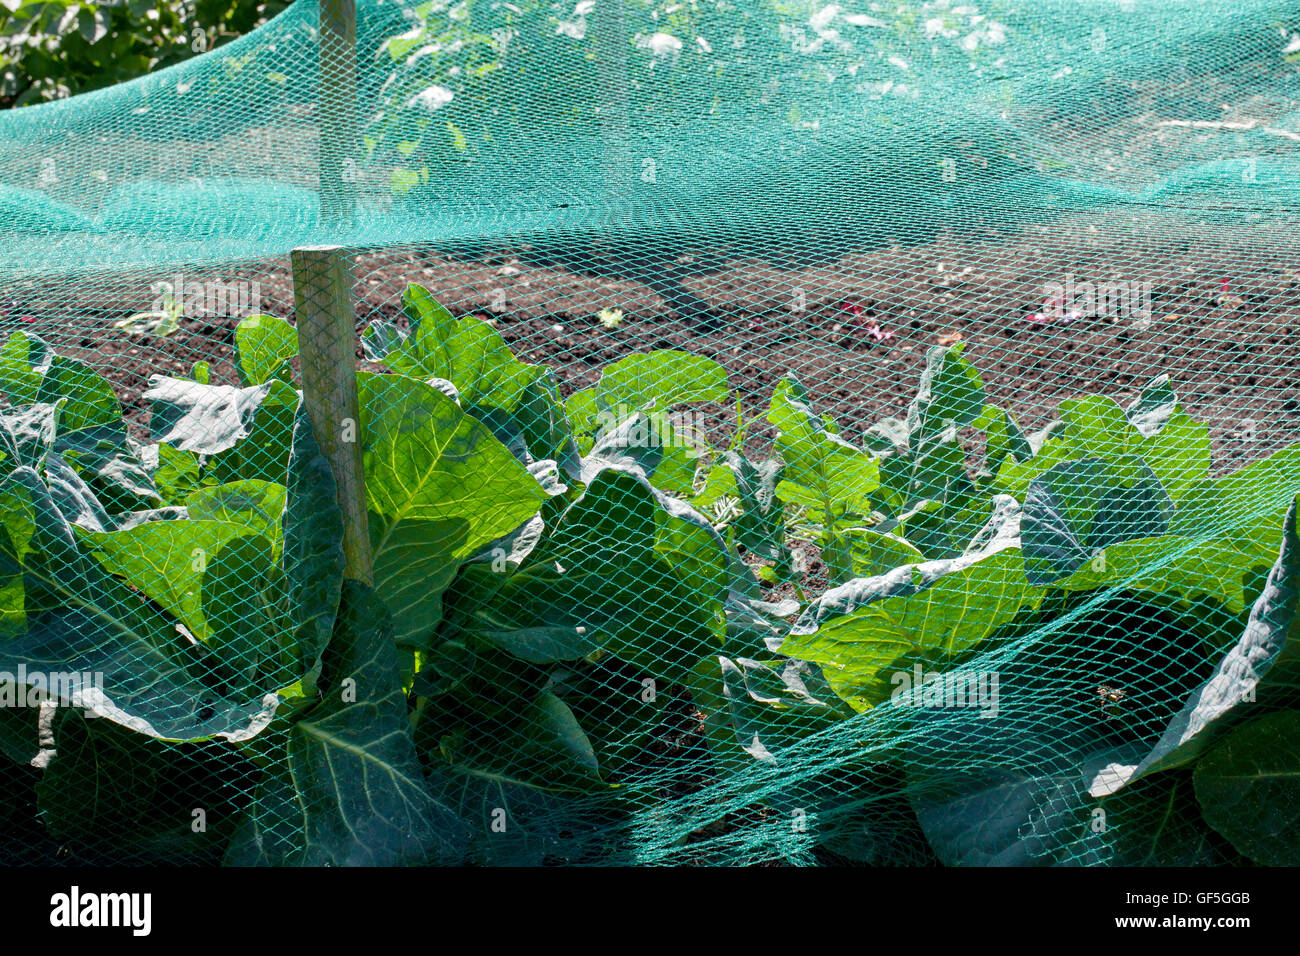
780, 432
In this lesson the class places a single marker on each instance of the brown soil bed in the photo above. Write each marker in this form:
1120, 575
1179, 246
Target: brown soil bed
1224, 313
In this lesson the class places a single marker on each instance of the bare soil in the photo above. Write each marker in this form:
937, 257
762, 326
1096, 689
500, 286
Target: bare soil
1224, 312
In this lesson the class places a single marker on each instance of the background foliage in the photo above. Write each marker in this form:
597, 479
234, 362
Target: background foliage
51, 49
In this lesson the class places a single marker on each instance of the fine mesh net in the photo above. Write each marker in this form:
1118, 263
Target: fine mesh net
658, 432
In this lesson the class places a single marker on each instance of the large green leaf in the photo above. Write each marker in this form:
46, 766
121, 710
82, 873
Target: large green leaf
426, 459
1097, 427
415, 562
518, 401
930, 610
754, 625
166, 560
650, 442
951, 395
107, 791
257, 505
263, 346
205, 419
612, 704
1157, 822
1237, 679
88, 398
920, 458
684, 537
27, 433
986, 796
263, 454
1155, 407
945, 526
823, 472
543, 747
174, 473
17, 529
244, 599
110, 462
269, 596
440, 486
698, 554
514, 824
1249, 789
312, 530
349, 789
1078, 508
24, 360
73, 496
1003, 438
865, 553
1230, 501
30, 373
774, 705
594, 580
760, 526
81, 622
1227, 569
647, 382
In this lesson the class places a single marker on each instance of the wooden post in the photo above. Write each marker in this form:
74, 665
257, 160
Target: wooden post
337, 102
609, 24
322, 303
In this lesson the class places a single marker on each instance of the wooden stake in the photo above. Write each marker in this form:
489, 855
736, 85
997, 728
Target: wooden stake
337, 102
322, 301
609, 24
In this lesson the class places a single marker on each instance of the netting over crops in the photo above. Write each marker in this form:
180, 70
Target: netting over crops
784, 432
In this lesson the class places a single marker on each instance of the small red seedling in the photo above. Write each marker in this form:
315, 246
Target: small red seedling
859, 322
1226, 298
